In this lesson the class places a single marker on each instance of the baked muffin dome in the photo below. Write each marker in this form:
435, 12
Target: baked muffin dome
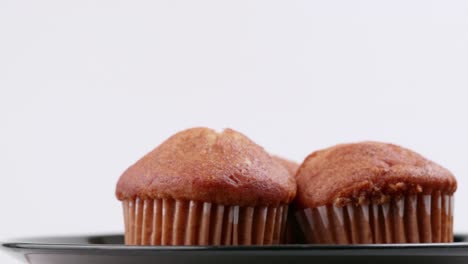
367, 171
201, 164
291, 166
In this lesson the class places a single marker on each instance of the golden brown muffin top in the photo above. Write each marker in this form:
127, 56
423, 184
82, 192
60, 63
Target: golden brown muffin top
291, 166
201, 164
367, 171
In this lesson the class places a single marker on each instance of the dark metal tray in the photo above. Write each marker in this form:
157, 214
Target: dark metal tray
110, 249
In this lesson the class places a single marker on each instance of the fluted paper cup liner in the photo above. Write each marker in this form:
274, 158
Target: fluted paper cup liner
181, 222
293, 233
409, 219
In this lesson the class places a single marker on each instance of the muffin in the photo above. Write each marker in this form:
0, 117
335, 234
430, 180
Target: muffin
373, 192
292, 233
291, 166
200, 187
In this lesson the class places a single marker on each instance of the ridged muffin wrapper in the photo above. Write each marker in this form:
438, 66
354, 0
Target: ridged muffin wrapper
418, 218
182, 222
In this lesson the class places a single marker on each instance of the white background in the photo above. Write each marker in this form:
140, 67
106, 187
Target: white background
88, 87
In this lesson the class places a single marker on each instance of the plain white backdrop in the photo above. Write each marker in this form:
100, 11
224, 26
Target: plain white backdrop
88, 87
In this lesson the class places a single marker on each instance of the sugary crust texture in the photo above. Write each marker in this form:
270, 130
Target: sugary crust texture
368, 171
203, 165
291, 166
